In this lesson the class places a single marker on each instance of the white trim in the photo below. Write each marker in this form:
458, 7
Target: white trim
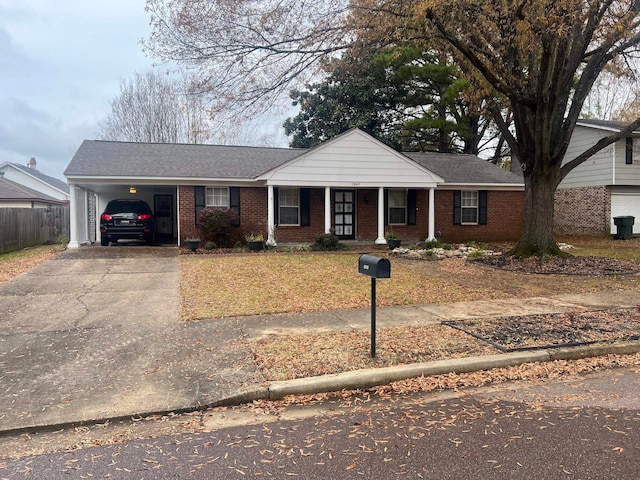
327, 209
380, 240
271, 217
73, 213
432, 214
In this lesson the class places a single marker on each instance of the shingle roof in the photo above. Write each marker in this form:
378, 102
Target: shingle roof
99, 158
464, 169
170, 160
54, 182
608, 124
13, 191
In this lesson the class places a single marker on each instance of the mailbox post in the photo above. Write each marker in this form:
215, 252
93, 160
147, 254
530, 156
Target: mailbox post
375, 267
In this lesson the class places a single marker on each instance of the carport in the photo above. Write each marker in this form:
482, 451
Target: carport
88, 198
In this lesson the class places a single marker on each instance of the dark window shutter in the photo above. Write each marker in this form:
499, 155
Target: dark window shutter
386, 206
457, 207
234, 203
199, 200
628, 159
412, 206
305, 207
482, 207
276, 206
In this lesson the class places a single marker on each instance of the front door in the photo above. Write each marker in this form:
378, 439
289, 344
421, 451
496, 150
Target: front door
163, 211
344, 213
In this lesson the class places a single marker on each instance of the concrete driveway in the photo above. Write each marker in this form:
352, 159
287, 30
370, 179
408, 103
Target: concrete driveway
95, 334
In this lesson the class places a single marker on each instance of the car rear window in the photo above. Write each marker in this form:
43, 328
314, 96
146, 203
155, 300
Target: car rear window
128, 207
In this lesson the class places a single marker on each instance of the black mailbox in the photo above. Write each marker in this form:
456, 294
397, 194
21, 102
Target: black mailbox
373, 266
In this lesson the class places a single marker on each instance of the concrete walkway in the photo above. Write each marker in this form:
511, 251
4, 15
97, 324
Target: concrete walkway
94, 334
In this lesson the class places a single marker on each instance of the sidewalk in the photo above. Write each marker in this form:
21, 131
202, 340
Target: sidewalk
94, 335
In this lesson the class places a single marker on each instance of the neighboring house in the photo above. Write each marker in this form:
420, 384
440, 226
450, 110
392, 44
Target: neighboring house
14, 195
352, 184
26, 187
605, 186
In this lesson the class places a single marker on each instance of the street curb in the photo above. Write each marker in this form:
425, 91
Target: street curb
367, 378
362, 379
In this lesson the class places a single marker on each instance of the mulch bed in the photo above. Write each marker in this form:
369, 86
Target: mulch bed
532, 332
591, 266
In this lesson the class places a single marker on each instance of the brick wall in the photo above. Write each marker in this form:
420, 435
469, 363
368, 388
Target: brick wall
504, 218
316, 217
186, 209
582, 211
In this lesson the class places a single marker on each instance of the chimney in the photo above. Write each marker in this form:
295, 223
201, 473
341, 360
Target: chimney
32, 163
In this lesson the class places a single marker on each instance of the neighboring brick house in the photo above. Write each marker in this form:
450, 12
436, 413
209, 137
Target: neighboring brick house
605, 186
352, 184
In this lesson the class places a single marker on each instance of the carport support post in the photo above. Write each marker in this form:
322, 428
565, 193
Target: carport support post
373, 317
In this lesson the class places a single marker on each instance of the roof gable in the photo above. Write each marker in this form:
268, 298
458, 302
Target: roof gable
13, 191
35, 180
353, 158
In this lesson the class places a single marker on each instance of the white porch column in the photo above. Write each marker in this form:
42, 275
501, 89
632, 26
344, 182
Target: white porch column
73, 221
380, 240
327, 209
271, 218
432, 215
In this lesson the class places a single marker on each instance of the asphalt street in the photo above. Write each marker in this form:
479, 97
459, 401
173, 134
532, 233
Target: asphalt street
583, 427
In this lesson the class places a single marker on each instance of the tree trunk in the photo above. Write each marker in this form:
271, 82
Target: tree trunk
537, 237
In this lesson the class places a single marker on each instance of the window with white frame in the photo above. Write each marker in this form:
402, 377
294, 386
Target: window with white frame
217, 197
289, 206
397, 213
469, 207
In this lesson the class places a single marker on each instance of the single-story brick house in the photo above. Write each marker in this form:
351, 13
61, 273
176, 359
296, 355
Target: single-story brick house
353, 184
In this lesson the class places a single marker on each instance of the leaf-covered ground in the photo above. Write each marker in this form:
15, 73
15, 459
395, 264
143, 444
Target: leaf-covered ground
14, 263
561, 329
216, 286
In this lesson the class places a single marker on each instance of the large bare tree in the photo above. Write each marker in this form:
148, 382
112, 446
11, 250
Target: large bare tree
542, 55
152, 107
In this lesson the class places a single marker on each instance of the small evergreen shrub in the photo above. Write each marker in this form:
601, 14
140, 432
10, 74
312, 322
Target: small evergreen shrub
326, 242
216, 225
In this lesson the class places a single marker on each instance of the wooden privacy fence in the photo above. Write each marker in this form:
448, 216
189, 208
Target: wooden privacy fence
26, 227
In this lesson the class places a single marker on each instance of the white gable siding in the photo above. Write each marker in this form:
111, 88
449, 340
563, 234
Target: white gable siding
596, 170
18, 176
627, 174
353, 160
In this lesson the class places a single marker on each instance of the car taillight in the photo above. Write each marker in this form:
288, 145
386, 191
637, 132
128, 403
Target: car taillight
106, 217
144, 216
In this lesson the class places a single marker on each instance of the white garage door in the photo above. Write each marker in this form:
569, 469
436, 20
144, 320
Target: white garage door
623, 204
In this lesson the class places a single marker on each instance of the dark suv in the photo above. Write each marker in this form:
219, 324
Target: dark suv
127, 219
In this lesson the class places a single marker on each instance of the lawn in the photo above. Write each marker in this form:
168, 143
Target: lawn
217, 286
15, 263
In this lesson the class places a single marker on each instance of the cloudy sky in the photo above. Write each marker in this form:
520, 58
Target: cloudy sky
61, 62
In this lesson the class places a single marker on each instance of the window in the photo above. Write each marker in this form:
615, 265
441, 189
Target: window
289, 206
218, 197
469, 205
397, 207
628, 159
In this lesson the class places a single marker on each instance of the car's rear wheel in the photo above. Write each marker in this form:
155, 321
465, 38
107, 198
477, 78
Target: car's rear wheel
104, 241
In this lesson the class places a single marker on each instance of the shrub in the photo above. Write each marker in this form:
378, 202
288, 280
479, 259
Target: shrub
216, 225
328, 242
210, 245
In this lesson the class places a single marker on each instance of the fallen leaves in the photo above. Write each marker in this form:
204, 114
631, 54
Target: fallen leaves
283, 357
15, 263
